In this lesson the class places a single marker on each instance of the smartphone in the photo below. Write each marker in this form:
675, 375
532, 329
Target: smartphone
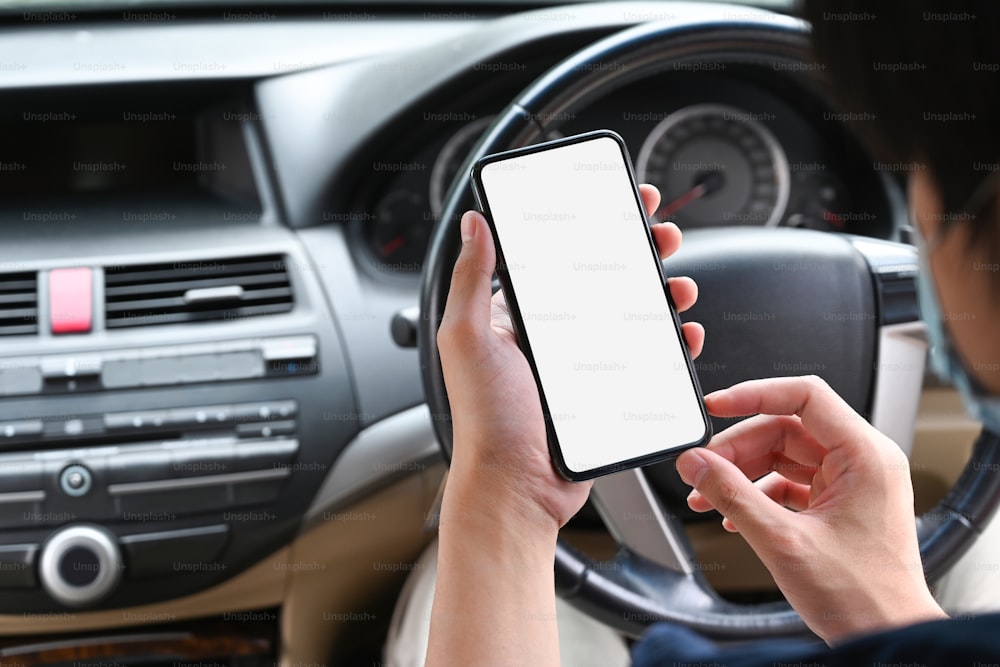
589, 302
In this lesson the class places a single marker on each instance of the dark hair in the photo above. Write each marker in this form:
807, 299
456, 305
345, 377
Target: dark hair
929, 73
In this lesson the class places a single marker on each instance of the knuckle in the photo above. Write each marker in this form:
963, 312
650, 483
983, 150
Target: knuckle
730, 503
815, 383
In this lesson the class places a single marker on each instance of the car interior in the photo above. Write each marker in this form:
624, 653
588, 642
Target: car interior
226, 238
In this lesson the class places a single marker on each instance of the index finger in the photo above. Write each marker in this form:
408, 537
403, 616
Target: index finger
823, 413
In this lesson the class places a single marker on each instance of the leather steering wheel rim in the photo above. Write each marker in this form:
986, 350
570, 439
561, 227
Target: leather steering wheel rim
631, 592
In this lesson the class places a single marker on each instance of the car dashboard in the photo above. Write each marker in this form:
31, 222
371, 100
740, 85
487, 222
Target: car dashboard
207, 224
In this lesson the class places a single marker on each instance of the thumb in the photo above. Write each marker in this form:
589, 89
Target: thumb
468, 307
730, 492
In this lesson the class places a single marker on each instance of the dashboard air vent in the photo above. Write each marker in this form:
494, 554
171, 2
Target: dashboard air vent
196, 291
18, 304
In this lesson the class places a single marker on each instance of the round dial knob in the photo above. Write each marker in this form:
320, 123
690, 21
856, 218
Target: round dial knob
80, 565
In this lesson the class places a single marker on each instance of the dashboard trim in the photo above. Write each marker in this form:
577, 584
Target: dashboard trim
394, 446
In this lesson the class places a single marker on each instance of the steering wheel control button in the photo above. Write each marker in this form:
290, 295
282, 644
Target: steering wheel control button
75, 480
80, 565
17, 566
70, 300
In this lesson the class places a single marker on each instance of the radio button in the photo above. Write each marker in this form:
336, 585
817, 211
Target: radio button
257, 492
199, 417
265, 429
62, 368
169, 551
265, 455
239, 365
20, 429
75, 480
20, 473
138, 466
74, 426
196, 368
17, 566
245, 412
159, 371
70, 296
166, 504
21, 507
189, 494
121, 374
202, 461
80, 565
23, 380
135, 421
300, 347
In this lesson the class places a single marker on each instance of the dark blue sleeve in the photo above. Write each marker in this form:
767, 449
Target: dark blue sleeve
954, 643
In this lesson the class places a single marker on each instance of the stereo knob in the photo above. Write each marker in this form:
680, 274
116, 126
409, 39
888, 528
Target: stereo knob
80, 565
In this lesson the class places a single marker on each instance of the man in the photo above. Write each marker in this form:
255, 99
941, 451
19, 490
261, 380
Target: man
849, 571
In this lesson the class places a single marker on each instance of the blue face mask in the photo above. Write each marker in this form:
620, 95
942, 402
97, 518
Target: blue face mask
944, 359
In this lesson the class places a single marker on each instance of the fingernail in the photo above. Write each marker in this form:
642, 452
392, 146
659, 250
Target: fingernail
692, 466
468, 226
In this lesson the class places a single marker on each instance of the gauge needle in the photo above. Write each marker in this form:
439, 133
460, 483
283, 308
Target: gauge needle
833, 218
704, 185
392, 246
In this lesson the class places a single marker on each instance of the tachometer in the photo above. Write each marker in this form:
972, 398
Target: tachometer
715, 165
398, 236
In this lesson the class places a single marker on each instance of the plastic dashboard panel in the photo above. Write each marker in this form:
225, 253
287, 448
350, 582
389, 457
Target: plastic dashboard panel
325, 416
311, 138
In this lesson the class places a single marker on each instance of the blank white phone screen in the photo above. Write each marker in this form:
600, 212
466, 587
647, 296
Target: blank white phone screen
597, 322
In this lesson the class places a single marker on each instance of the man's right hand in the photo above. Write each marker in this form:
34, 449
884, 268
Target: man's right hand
831, 515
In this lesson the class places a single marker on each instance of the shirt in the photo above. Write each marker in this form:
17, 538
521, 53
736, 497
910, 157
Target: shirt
962, 642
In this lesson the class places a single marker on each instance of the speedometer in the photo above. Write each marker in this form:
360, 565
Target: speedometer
716, 165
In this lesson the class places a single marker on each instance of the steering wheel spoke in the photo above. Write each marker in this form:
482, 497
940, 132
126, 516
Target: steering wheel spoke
638, 521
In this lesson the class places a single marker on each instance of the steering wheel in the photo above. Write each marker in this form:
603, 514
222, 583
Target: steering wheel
874, 359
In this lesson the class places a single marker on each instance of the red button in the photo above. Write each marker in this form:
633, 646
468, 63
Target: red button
70, 300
